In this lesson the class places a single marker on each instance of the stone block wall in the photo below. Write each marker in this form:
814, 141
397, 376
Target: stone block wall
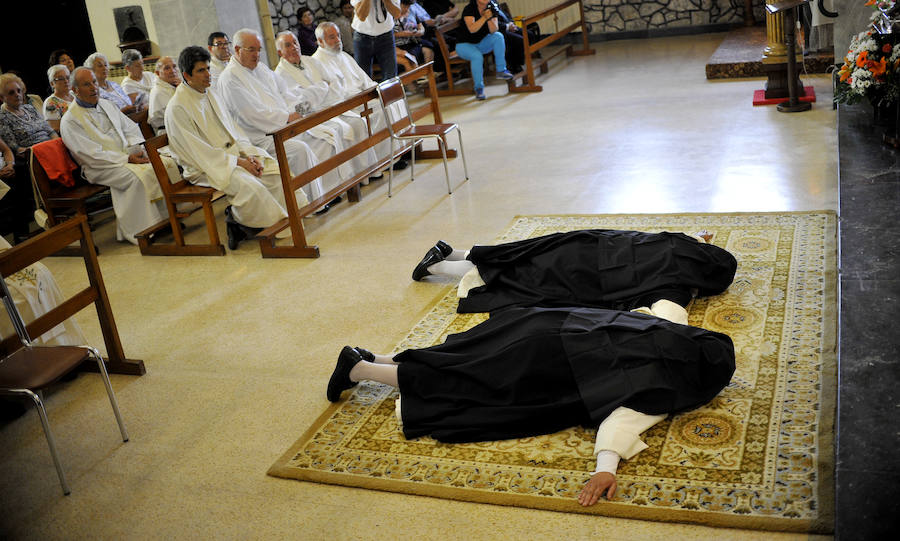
610, 16
285, 13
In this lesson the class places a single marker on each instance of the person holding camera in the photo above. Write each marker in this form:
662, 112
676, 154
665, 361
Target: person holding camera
479, 36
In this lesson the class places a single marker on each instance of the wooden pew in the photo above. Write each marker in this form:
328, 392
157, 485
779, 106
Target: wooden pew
182, 199
454, 65
527, 76
60, 202
299, 246
45, 244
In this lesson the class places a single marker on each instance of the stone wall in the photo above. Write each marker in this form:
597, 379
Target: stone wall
609, 16
285, 13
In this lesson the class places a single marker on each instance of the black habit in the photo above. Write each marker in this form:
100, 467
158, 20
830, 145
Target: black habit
618, 270
531, 371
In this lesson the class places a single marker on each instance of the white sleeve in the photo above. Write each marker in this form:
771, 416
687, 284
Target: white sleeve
620, 433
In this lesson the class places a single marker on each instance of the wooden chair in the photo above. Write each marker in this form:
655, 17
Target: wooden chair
454, 65
26, 369
402, 128
182, 199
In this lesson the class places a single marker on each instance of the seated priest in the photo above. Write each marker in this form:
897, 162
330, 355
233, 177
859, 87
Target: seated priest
107, 145
219, 48
262, 103
293, 69
167, 80
214, 151
531, 371
598, 268
345, 78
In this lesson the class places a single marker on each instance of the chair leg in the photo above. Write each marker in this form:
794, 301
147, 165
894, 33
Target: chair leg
109, 391
443, 145
412, 163
42, 413
462, 152
391, 168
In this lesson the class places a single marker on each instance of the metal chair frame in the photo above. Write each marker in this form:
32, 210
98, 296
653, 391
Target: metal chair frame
37, 397
391, 92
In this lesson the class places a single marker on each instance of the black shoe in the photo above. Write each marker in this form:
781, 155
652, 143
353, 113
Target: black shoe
444, 248
365, 354
323, 210
400, 165
335, 201
233, 229
340, 378
432, 256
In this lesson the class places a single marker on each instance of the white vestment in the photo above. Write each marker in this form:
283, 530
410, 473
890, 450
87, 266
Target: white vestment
261, 102
208, 144
216, 67
318, 95
34, 292
346, 79
100, 139
160, 95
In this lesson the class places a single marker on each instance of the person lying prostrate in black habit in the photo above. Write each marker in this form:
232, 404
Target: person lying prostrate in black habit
597, 268
528, 371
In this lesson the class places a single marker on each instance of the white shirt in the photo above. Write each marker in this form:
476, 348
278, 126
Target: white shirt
216, 67
379, 21
342, 72
130, 86
160, 95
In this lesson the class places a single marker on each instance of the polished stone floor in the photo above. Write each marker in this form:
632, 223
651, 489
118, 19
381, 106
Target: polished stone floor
238, 349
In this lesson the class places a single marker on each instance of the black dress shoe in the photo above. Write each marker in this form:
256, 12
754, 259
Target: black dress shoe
340, 378
444, 248
432, 256
365, 354
335, 201
233, 229
323, 210
400, 165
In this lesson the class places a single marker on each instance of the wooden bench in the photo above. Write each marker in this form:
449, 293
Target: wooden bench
527, 76
350, 186
48, 243
182, 199
454, 65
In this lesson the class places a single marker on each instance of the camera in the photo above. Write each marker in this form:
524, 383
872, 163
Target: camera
495, 8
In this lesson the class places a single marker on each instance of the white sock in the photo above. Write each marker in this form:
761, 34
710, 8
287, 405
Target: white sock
382, 373
452, 268
457, 255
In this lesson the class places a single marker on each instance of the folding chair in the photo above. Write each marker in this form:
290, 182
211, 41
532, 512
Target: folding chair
30, 369
391, 94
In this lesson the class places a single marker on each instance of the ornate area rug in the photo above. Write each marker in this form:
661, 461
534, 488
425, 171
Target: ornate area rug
758, 456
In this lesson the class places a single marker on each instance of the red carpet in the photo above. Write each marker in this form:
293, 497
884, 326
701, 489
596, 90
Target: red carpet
759, 97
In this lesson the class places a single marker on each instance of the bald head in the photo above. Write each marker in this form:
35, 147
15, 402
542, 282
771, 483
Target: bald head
167, 70
84, 84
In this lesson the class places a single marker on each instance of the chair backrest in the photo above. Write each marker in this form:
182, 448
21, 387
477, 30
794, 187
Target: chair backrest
392, 97
47, 243
162, 175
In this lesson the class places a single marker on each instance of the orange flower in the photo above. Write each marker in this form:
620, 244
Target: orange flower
877, 68
846, 71
871, 3
862, 59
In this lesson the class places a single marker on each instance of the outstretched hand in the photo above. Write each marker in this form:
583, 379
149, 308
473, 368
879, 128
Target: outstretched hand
600, 484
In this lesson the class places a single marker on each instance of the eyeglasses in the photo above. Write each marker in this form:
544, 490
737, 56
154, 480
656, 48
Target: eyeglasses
251, 49
222, 44
60, 79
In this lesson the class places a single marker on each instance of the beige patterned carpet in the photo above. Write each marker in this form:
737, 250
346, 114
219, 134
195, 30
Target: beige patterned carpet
759, 456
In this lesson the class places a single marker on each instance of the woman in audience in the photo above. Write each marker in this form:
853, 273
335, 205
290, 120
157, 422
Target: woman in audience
62, 56
56, 104
306, 32
478, 36
109, 90
20, 124
408, 37
139, 82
